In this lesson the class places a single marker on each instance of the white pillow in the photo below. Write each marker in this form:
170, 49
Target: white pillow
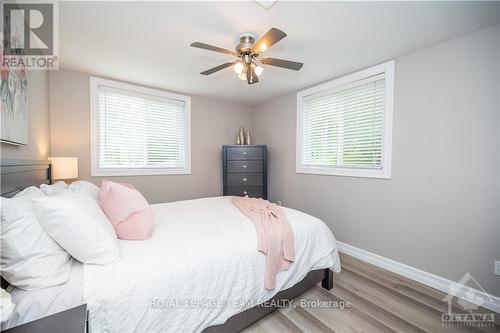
58, 187
32, 191
29, 258
85, 188
78, 224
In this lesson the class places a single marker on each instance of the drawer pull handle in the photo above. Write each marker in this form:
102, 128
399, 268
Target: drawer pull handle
244, 166
244, 179
244, 153
245, 192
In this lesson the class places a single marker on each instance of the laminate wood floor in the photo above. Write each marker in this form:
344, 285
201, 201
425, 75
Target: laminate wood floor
381, 301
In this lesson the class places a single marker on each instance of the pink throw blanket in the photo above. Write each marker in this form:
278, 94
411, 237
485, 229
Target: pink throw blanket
274, 235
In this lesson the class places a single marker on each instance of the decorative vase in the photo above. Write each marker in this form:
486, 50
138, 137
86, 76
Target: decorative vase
238, 142
248, 137
241, 136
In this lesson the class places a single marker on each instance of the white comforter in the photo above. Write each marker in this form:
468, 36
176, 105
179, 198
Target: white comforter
200, 267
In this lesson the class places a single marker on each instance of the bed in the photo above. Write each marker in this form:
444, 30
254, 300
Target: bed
200, 272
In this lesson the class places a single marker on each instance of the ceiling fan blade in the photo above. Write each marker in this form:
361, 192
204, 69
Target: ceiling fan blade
293, 65
269, 39
218, 68
213, 48
251, 76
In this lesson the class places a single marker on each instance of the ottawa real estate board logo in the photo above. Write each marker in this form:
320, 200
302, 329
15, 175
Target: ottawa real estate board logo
29, 36
464, 305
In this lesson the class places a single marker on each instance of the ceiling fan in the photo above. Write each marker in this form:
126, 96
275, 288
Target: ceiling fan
248, 56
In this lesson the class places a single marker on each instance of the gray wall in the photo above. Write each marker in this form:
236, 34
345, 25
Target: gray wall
38, 106
213, 123
440, 210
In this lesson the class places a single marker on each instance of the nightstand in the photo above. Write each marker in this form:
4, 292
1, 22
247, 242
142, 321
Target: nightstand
73, 320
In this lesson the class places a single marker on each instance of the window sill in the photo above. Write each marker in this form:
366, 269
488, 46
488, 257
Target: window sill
345, 172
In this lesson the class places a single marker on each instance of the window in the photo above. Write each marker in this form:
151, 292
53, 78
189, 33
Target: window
344, 127
137, 130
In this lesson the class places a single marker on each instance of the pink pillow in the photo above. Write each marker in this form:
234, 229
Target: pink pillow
127, 210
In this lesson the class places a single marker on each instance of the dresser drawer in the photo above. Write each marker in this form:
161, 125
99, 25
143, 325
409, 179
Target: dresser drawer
241, 191
245, 178
244, 154
244, 166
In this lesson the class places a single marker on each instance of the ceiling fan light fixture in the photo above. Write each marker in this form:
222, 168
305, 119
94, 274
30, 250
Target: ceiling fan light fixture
247, 61
258, 70
252, 77
238, 67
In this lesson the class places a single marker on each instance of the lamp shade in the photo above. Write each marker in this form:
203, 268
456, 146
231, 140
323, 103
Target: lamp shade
64, 167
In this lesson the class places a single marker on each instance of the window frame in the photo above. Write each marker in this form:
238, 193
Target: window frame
386, 68
96, 171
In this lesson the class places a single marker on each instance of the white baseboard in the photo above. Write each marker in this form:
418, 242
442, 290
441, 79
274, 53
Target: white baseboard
490, 302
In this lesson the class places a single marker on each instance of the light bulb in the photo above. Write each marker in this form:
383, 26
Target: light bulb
258, 70
242, 76
238, 67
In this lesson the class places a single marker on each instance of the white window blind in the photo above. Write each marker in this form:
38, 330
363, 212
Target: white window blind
140, 133
342, 128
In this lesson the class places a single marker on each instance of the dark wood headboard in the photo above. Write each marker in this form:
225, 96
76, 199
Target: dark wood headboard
17, 175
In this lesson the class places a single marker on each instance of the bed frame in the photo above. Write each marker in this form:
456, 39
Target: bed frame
16, 175
240, 321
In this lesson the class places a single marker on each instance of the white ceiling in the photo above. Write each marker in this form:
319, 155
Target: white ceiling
148, 43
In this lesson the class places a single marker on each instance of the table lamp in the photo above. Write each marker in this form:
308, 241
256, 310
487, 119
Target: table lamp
64, 167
